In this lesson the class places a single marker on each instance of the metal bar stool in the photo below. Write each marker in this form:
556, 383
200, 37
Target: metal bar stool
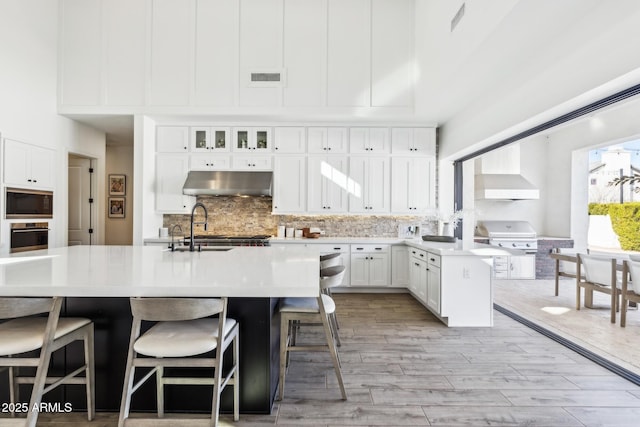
25, 333
310, 310
183, 329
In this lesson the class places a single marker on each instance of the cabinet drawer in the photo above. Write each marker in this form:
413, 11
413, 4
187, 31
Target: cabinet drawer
329, 248
418, 253
369, 248
433, 259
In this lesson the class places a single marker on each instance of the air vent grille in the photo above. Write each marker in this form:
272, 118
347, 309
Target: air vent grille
266, 77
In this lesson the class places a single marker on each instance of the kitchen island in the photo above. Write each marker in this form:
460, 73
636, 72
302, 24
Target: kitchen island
97, 281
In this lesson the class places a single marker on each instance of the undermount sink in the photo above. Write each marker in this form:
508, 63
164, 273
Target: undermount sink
202, 249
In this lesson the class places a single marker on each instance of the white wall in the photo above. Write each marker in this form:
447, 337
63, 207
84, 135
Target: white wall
28, 109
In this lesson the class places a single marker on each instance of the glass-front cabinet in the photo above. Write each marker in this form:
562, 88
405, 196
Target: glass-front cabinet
207, 139
252, 139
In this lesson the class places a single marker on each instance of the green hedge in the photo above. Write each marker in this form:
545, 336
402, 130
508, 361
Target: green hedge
625, 219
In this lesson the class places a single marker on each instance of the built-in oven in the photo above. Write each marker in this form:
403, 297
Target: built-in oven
24, 203
29, 236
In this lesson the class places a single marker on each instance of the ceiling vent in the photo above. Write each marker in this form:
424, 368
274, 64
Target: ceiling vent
267, 78
457, 18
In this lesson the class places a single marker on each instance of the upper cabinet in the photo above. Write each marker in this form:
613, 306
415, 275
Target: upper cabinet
290, 140
254, 139
172, 139
27, 165
204, 56
331, 140
210, 139
413, 141
369, 140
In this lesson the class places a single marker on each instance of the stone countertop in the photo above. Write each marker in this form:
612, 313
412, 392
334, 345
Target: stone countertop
153, 271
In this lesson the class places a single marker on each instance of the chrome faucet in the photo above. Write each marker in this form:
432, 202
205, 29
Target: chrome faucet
172, 245
191, 244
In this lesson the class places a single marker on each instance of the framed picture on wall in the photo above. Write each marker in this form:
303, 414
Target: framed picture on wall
117, 185
116, 207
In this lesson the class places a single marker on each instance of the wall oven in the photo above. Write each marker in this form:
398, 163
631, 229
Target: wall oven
23, 203
29, 236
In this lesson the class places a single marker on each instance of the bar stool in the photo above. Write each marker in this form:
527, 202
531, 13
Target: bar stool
326, 261
300, 311
182, 329
24, 333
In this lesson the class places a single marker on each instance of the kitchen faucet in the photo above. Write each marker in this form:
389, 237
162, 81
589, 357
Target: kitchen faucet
191, 244
172, 245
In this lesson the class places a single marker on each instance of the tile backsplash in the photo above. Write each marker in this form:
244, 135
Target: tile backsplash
252, 216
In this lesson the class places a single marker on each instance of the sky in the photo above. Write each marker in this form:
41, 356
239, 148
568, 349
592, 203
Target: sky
633, 146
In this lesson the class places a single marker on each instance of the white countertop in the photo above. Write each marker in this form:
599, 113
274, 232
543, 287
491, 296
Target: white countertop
124, 271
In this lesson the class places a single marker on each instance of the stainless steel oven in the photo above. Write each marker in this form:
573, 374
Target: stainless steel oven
29, 236
23, 203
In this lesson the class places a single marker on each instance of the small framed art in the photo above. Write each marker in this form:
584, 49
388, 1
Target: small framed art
117, 185
116, 207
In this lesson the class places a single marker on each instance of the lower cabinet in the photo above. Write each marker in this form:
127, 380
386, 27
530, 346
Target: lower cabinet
370, 265
345, 258
418, 278
433, 282
400, 266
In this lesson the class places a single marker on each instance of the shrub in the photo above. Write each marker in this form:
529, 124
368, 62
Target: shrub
625, 220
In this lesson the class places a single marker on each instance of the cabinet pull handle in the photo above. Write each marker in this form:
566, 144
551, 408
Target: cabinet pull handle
378, 249
432, 259
337, 249
359, 249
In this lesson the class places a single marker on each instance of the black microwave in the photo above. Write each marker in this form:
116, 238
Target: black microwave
22, 203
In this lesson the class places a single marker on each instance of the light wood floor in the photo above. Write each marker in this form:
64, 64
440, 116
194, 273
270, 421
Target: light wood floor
403, 367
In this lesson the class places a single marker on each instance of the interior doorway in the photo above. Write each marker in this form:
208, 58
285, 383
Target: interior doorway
80, 200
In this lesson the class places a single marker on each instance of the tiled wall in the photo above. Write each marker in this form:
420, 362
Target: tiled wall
252, 216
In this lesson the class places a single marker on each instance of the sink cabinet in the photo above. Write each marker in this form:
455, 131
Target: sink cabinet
370, 265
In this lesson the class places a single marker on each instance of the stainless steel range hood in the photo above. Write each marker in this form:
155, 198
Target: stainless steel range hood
503, 186
228, 183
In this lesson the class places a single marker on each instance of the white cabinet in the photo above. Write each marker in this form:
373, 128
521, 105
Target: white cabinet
171, 172
370, 265
433, 282
369, 184
207, 162
400, 266
172, 139
27, 165
329, 140
210, 139
418, 274
514, 267
290, 184
369, 140
289, 140
327, 184
252, 162
252, 139
414, 141
413, 188
522, 267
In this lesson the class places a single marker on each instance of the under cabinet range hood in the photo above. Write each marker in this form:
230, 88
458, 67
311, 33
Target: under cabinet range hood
504, 186
228, 183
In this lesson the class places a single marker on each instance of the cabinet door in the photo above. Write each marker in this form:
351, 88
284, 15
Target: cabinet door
335, 184
433, 288
17, 163
359, 269
424, 141
522, 267
172, 139
337, 140
402, 141
378, 269
171, 172
289, 140
378, 183
289, 193
359, 140
200, 139
422, 186
414, 275
378, 140
315, 184
317, 140
42, 161
219, 139
400, 266
358, 184
401, 180
423, 282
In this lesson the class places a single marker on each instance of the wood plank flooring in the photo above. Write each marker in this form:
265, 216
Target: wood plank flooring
403, 367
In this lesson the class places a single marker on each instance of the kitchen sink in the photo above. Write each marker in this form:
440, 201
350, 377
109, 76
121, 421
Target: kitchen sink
202, 249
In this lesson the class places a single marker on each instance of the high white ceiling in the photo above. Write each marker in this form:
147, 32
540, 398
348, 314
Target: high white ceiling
498, 47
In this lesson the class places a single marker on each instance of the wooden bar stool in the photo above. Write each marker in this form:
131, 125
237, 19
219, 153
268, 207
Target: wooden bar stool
25, 333
182, 329
300, 311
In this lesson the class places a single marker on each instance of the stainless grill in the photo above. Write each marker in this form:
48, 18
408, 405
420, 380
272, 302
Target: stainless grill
509, 234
